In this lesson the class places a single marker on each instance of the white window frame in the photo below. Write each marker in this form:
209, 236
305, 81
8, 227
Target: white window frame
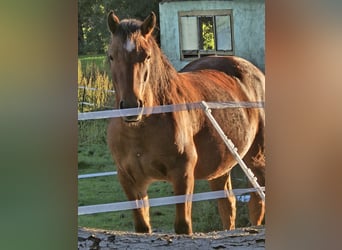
192, 54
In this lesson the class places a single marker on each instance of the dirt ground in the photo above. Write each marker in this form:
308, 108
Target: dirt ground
241, 238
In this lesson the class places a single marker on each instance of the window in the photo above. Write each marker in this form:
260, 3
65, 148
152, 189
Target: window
205, 33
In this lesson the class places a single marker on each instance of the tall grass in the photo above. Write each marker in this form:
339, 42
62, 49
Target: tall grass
93, 153
94, 87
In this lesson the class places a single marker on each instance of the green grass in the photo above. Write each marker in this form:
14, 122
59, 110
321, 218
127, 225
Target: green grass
94, 157
90, 62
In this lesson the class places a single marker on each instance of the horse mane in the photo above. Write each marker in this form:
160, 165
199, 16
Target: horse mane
164, 81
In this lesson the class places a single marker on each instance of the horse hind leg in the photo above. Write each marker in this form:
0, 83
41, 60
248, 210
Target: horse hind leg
255, 160
226, 206
256, 205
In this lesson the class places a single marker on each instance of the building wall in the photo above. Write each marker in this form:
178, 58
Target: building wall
249, 27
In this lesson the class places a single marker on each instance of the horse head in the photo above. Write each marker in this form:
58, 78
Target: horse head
130, 61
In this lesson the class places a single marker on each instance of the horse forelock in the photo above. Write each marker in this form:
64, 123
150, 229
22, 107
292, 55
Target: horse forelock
128, 27
124, 35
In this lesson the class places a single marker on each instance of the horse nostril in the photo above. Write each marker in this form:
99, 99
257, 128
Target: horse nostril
121, 105
134, 104
145, 76
125, 105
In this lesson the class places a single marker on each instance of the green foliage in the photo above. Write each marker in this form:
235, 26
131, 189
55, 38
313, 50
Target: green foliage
93, 34
208, 36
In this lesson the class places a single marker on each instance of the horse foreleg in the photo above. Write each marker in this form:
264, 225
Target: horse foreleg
226, 206
184, 186
137, 191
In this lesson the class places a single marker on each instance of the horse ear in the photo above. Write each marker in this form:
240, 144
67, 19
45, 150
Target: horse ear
148, 25
113, 21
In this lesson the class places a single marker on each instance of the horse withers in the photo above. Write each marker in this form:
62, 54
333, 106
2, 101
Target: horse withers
182, 146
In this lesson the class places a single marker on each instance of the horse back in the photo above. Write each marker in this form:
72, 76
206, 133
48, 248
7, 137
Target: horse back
249, 78
231, 65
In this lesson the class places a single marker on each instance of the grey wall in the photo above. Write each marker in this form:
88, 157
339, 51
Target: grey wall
249, 27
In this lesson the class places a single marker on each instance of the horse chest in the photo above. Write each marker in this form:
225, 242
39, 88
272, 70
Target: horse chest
145, 152
133, 148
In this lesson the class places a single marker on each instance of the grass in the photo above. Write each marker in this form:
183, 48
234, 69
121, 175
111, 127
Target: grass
94, 157
89, 63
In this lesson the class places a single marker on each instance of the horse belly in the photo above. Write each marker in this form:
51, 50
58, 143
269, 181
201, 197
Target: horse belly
214, 157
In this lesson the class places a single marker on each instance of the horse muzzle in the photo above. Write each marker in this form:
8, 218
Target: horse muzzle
138, 109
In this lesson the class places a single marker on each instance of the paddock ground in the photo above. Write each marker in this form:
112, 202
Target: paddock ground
241, 238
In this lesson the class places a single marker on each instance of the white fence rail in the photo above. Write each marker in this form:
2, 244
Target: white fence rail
127, 205
84, 176
96, 89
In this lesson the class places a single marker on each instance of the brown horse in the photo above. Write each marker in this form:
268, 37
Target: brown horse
181, 146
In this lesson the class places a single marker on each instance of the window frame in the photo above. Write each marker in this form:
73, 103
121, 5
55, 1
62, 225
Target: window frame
197, 53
